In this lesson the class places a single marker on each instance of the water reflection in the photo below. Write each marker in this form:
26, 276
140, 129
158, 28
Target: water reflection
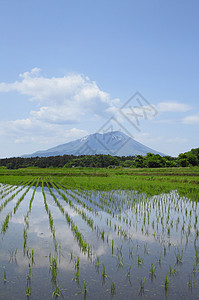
136, 246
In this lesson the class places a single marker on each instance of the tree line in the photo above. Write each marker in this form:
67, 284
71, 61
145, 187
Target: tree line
186, 159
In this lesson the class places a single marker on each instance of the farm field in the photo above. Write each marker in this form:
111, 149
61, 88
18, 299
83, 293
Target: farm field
78, 233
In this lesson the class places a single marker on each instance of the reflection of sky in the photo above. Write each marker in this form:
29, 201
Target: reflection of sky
39, 238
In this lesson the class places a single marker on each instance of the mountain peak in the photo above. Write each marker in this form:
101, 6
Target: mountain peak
115, 143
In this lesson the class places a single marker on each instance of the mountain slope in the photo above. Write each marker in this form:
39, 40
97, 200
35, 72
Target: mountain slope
113, 143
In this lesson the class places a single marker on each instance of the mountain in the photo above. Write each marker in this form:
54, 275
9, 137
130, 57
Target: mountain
113, 143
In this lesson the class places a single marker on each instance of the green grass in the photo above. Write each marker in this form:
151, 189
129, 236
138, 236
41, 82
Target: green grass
150, 181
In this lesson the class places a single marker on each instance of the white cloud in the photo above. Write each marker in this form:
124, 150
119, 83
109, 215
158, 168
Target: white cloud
193, 119
62, 101
173, 107
30, 131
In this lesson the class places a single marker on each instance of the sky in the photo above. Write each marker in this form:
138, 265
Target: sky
69, 68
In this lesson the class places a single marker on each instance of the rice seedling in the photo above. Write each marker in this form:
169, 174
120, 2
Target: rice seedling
4, 277
104, 275
58, 292
152, 270
29, 273
77, 263
159, 260
28, 291
28, 280
76, 278
146, 251
140, 260
173, 270
32, 257
85, 289
142, 284
179, 256
166, 281
102, 235
129, 271
190, 282
113, 287
120, 262
196, 255
53, 268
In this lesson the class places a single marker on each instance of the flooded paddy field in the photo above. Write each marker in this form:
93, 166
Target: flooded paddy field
81, 244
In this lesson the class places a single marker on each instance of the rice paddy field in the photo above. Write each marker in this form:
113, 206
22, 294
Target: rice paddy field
99, 234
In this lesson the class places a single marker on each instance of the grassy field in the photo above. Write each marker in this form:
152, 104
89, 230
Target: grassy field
151, 181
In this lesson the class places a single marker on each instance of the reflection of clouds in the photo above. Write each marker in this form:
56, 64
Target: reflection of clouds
17, 219
41, 241
101, 250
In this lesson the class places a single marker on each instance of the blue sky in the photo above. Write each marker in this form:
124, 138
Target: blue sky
67, 67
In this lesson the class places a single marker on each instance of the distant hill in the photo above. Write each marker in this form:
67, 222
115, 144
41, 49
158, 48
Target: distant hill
112, 143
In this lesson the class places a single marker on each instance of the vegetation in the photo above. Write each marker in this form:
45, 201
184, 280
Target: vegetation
149, 242
190, 158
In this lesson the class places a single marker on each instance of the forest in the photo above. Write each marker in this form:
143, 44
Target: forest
190, 158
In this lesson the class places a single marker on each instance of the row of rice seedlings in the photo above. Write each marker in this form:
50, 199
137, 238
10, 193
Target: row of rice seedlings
108, 205
112, 214
80, 202
163, 219
94, 203
167, 279
84, 246
89, 221
173, 269
146, 217
140, 262
101, 233
6, 192
120, 231
51, 221
112, 209
4, 204
110, 201
75, 259
28, 282
114, 201
179, 256
53, 260
53, 267
26, 217
73, 194
3, 187
22, 197
9, 215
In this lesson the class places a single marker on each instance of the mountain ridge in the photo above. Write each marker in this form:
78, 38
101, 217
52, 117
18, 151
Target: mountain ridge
114, 143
